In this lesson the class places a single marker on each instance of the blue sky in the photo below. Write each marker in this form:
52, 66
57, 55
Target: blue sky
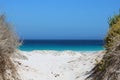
60, 19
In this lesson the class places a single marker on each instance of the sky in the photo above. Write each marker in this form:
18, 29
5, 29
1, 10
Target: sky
60, 19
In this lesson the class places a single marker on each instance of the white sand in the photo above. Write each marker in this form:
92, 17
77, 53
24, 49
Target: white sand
56, 65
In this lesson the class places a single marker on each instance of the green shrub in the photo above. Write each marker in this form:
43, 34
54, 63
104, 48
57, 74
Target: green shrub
114, 31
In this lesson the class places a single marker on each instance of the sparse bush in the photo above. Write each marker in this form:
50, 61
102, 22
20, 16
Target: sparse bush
8, 43
114, 31
109, 67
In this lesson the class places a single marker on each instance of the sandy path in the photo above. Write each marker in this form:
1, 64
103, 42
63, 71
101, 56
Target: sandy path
56, 65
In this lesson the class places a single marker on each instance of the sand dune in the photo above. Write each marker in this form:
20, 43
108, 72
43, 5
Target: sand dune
56, 65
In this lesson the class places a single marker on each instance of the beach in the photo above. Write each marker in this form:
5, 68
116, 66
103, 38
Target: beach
55, 65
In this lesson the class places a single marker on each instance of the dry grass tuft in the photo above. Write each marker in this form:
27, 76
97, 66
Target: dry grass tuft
109, 67
8, 43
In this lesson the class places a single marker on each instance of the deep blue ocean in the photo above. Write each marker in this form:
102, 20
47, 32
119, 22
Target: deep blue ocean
62, 45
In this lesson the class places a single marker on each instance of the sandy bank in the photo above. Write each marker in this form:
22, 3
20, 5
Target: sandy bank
55, 65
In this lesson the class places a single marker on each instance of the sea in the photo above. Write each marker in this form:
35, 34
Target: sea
62, 45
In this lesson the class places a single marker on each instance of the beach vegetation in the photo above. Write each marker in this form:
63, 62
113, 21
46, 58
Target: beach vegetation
8, 44
113, 35
109, 67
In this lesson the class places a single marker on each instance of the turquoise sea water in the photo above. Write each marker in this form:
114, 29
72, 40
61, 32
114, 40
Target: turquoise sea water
62, 45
